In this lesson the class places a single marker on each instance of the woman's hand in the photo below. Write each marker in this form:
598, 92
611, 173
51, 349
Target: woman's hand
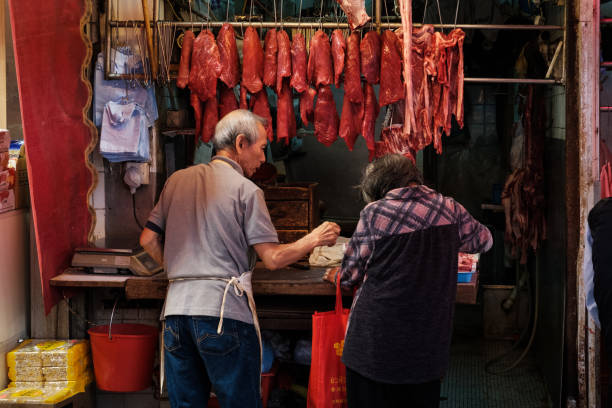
330, 275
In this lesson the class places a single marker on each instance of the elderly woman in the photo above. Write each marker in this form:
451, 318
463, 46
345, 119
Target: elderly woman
403, 260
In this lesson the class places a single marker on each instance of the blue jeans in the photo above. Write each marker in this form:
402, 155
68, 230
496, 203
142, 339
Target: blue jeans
196, 357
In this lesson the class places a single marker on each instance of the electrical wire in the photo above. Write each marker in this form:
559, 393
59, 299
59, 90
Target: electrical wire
533, 329
134, 211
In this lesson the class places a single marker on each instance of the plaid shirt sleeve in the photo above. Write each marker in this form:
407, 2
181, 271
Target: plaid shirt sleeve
357, 255
473, 236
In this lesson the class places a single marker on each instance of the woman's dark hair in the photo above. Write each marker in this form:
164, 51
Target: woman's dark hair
387, 173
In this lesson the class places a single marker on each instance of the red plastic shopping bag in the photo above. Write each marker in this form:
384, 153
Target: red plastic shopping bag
327, 384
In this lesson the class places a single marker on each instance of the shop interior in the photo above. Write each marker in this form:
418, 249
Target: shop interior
508, 336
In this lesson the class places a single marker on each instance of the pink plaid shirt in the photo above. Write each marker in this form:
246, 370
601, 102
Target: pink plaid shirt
405, 210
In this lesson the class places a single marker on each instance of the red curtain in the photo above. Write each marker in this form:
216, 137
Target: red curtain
49, 54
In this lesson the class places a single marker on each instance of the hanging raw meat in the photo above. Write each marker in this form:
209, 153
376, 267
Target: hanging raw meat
252, 61
320, 66
392, 140
355, 12
350, 121
326, 117
270, 56
284, 59
243, 97
307, 105
285, 115
298, 63
228, 51
183, 73
261, 107
391, 87
227, 100
370, 113
406, 14
338, 45
210, 119
205, 66
369, 50
196, 104
352, 71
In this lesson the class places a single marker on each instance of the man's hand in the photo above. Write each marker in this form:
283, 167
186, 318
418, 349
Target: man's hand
330, 275
326, 233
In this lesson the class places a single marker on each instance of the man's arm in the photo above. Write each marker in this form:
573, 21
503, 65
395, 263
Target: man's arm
275, 256
151, 242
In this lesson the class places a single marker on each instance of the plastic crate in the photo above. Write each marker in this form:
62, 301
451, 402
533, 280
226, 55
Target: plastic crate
464, 277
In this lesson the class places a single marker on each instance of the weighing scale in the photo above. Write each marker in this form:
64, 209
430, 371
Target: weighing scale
115, 261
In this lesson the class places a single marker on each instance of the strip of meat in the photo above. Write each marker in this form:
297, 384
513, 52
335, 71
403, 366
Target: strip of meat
392, 141
261, 107
320, 66
298, 62
338, 45
406, 14
252, 61
326, 117
285, 115
369, 50
284, 59
228, 51
270, 55
460, 36
243, 97
307, 105
370, 113
390, 69
183, 73
352, 73
210, 119
196, 104
227, 100
205, 66
355, 12
350, 121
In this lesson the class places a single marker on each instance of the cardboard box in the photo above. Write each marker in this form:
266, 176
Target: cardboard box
5, 140
7, 200
7, 179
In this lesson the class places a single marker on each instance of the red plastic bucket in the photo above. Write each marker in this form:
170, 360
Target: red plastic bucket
123, 358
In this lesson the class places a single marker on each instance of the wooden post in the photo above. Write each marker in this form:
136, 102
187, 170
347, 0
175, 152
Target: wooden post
152, 53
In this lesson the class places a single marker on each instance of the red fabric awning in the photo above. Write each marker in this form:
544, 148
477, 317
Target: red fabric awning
50, 53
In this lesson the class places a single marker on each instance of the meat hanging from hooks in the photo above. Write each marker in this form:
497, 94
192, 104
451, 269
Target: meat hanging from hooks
428, 90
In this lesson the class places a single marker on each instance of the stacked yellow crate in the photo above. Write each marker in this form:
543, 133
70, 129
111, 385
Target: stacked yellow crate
47, 371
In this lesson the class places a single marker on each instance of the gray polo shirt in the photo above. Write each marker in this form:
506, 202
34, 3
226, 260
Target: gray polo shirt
211, 216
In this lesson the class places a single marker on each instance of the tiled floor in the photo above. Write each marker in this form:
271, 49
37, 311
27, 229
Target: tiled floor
469, 385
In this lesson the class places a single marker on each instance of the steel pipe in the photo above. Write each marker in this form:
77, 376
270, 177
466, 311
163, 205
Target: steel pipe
315, 24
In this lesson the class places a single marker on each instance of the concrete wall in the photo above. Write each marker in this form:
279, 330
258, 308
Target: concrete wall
14, 297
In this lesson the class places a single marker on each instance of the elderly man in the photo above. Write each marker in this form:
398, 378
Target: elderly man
208, 226
403, 258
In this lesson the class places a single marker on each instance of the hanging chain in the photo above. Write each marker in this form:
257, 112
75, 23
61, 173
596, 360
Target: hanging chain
456, 14
300, 13
440, 14
321, 16
425, 11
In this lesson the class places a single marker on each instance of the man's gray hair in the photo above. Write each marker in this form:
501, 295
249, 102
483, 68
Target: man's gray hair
239, 121
387, 173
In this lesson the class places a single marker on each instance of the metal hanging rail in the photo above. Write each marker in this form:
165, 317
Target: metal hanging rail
315, 24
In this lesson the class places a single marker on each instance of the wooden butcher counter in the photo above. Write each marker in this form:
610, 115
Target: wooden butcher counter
286, 298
